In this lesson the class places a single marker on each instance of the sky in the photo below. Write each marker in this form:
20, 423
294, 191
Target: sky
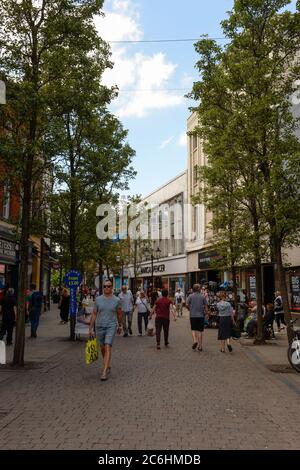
154, 77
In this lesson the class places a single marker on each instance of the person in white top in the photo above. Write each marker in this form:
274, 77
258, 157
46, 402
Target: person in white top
142, 304
127, 304
179, 302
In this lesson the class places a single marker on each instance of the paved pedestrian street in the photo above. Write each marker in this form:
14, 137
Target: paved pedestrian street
174, 398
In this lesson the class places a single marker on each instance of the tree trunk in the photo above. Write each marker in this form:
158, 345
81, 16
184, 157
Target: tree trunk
234, 289
259, 300
23, 273
283, 289
258, 275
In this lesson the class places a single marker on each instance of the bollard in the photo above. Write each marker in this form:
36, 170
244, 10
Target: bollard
2, 353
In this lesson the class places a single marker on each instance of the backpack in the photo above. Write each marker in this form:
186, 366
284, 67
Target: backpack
36, 300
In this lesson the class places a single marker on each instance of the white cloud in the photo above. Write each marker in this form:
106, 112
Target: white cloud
187, 81
141, 78
182, 141
166, 142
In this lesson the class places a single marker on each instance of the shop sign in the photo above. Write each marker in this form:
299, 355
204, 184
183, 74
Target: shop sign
295, 288
156, 269
207, 257
252, 286
7, 251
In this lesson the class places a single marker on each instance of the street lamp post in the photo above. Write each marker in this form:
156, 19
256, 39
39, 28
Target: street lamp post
118, 259
156, 258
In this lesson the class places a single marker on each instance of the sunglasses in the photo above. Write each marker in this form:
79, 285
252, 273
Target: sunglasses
107, 286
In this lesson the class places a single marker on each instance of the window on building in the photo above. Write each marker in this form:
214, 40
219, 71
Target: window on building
195, 174
195, 222
194, 142
6, 202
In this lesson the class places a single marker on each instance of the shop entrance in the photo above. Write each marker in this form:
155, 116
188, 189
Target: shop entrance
214, 276
269, 284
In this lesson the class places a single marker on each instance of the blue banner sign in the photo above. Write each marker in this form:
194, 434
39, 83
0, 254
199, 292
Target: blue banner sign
73, 280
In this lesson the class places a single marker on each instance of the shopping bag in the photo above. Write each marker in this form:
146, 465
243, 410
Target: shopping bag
91, 351
150, 328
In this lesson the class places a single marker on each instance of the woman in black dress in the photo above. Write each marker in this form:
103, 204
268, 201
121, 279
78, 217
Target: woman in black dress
226, 316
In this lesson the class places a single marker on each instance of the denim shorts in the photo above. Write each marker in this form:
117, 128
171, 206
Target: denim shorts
106, 334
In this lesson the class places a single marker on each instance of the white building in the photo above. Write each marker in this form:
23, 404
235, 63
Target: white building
168, 264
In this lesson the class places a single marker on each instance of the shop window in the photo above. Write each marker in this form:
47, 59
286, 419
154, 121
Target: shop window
194, 142
195, 174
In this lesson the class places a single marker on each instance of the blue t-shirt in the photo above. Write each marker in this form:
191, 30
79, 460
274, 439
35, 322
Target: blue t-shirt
107, 308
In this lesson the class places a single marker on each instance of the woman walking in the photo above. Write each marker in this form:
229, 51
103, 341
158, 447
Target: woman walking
64, 306
143, 311
226, 316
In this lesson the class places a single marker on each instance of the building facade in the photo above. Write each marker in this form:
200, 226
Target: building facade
164, 263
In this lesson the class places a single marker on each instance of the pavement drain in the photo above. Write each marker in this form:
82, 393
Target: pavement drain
281, 368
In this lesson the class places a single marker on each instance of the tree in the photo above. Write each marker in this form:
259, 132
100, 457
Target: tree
245, 113
36, 39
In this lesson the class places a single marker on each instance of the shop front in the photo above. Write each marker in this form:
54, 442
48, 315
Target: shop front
170, 274
8, 260
207, 264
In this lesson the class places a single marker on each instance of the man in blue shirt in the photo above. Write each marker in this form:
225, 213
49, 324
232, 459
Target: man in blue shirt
197, 305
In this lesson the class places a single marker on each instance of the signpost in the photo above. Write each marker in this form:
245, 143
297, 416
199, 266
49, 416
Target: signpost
73, 280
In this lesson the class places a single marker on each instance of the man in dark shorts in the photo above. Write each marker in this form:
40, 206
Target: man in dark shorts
197, 305
107, 317
162, 308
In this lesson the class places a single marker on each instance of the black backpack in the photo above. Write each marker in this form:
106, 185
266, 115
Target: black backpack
36, 300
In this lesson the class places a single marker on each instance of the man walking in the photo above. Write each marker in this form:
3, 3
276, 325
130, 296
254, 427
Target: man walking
107, 315
9, 316
197, 305
162, 308
127, 305
34, 306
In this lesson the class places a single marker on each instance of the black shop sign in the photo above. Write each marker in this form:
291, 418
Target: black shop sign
206, 259
295, 290
7, 251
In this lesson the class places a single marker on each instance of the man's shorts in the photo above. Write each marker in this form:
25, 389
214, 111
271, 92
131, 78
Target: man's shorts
106, 334
197, 323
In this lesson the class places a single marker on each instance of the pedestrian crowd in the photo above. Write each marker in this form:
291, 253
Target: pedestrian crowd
108, 314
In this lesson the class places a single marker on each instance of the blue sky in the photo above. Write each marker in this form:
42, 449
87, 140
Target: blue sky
153, 77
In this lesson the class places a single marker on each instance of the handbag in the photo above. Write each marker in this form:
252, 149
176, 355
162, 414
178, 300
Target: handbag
145, 305
235, 331
91, 351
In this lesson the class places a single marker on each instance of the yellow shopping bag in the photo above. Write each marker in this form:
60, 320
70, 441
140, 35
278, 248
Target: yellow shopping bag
91, 351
